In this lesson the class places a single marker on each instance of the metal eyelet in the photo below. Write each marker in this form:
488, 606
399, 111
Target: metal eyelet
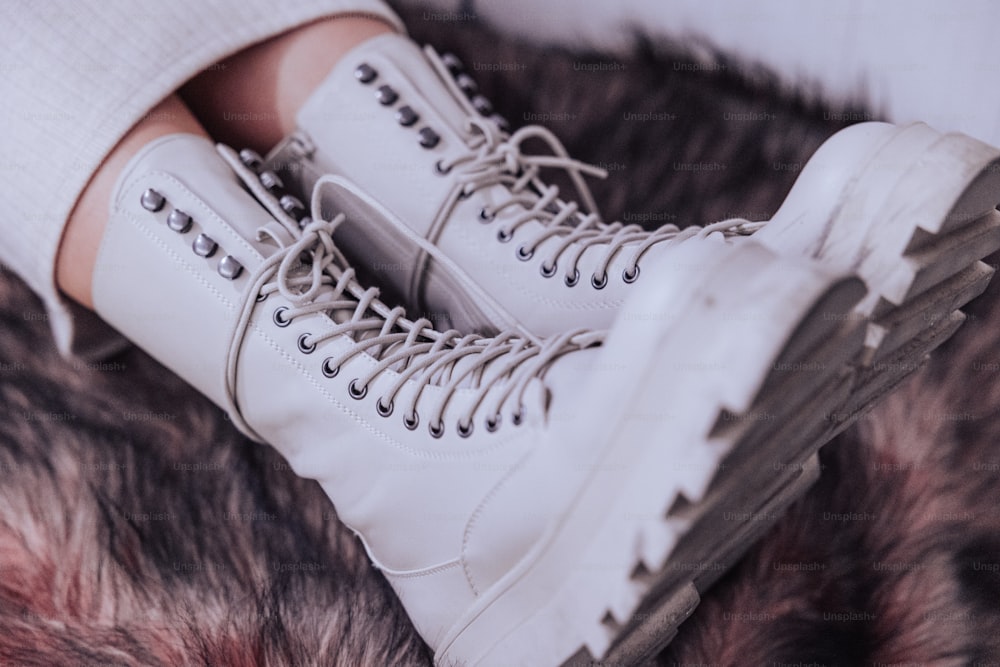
493, 423
279, 318
304, 347
261, 297
503, 236
547, 271
329, 371
485, 215
572, 280
523, 254
518, 417
411, 421
383, 410
441, 169
437, 430
464, 430
630, 277
599, 284
355, 393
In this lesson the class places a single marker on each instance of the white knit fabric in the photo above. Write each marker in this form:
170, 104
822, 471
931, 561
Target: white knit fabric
74, 78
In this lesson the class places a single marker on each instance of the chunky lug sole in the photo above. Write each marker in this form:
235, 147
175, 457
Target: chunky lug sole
929, 203
633, 536
912, 214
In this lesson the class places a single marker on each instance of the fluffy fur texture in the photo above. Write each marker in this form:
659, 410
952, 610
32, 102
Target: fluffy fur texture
137, 527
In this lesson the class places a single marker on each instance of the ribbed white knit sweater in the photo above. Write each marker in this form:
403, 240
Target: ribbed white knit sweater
74, 78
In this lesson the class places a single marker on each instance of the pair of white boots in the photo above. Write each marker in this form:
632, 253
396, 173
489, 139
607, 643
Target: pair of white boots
584, 424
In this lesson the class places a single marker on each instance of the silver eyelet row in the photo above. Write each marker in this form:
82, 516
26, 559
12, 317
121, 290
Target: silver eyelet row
180, 222
387, 96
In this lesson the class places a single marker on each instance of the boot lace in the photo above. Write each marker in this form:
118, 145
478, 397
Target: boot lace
497, 158
310, 273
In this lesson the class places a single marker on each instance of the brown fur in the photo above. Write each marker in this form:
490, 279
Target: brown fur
138, 528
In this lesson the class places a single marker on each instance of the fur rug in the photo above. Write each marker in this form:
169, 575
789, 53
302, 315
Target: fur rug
137, 527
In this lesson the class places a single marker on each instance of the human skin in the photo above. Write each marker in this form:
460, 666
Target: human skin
267, 82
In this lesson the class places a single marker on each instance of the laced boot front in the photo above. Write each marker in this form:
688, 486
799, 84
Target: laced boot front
467, 229
531, 502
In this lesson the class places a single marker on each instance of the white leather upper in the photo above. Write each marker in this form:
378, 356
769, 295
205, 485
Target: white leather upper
427, 509
350, 133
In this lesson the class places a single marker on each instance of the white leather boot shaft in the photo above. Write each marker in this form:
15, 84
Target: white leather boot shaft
181, 222
473, 469
484, 243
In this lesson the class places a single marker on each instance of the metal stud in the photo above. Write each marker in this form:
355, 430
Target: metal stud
292, 206
500, 122
482, 105
365, 73
179, 221
204, 246
251, 158
406, 116
386, 95
467, 84
452, 62
429, 138
229, 268
152, 200
271, 181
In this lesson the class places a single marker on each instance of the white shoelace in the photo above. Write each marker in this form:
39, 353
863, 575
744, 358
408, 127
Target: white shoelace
309, 273
495, 158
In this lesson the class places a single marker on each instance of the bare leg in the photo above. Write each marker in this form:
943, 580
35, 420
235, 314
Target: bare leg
268, 82
250, 100
85, 227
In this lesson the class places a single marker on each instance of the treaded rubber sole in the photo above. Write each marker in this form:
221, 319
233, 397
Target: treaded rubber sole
622, 543
912, 308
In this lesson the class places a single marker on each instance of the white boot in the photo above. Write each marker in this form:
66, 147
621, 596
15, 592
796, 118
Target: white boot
523, 499
477, 235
